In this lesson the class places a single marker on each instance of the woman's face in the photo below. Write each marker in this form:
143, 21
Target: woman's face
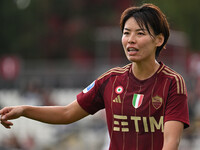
138, 44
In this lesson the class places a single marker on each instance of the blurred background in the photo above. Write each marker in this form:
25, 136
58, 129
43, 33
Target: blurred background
51, 50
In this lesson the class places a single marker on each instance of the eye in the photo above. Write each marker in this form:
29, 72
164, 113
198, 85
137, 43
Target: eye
126, 33
141, 33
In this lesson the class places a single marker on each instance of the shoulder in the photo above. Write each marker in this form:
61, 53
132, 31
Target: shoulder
175, 78
115, 72
170, 73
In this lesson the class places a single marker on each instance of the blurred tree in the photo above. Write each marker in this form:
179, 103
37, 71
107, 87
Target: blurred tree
49, 29
183, 15
21, 28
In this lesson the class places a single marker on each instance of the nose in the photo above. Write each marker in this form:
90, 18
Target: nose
131, 39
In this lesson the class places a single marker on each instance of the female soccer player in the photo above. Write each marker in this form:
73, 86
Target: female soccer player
145, 101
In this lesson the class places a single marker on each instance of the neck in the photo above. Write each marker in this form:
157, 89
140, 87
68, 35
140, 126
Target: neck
144, 71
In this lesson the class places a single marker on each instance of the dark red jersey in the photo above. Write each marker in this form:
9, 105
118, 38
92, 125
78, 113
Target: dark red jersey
137, 110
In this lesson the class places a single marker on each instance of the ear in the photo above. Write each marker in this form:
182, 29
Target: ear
159, 40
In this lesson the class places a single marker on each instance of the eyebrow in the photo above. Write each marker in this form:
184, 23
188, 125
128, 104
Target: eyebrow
127, 29
140, 29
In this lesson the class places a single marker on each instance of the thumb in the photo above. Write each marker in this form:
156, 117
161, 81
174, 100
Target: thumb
5, 117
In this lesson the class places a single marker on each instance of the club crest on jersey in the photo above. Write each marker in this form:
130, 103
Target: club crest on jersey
137, 100
157, 101
89, 87
119, 90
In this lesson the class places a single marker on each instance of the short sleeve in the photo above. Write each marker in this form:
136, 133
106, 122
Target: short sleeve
90, 99
177, 106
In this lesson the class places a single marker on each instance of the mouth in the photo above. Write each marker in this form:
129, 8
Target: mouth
131, 49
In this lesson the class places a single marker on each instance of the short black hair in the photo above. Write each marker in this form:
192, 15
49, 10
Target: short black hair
148, 16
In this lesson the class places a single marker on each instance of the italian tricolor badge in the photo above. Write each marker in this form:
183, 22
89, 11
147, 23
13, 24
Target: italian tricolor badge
137, 100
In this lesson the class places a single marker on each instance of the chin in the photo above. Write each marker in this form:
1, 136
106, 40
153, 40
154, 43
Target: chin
134, 59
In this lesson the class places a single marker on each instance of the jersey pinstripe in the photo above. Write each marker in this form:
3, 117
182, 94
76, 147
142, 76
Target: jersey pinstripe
162, 97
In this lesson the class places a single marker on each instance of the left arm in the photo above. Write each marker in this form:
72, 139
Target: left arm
172, 135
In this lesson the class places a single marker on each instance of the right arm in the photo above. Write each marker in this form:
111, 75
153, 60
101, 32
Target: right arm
47, 114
